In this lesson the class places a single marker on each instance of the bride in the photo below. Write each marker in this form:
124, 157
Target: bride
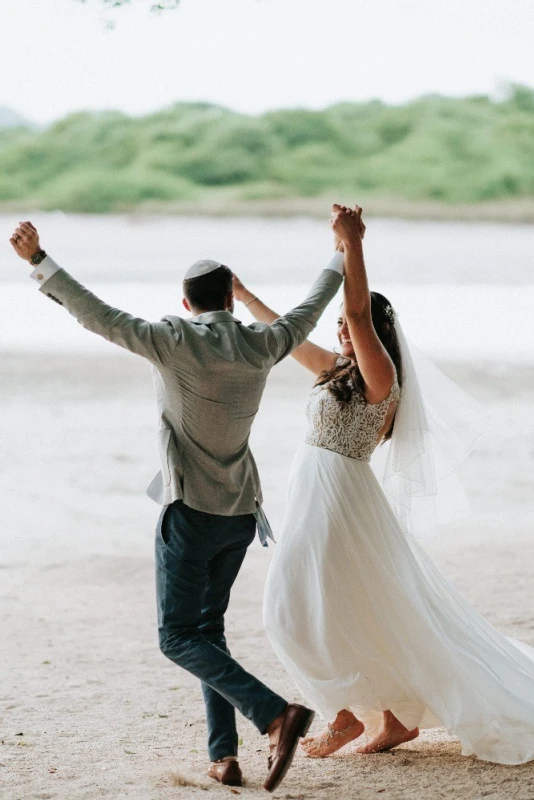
371, 632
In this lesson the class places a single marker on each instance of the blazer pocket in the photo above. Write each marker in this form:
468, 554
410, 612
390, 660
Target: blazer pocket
164, 440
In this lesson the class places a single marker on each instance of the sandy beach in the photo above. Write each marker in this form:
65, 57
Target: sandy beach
90, 708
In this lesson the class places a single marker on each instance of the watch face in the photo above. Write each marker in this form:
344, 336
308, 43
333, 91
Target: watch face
38, 257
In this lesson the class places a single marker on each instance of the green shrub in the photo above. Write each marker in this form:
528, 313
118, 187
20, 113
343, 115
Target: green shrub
102, 192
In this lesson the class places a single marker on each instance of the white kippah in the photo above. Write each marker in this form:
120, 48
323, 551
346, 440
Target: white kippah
202, 267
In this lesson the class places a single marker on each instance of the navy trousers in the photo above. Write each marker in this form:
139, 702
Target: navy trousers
198, 557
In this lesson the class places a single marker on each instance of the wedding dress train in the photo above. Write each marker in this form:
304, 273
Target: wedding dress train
362, 619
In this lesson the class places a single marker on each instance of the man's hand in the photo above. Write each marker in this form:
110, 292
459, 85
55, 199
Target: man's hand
241, 293
347, 224
25, 240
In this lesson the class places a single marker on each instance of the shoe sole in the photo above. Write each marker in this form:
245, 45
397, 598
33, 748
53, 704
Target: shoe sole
304, 730
236, 782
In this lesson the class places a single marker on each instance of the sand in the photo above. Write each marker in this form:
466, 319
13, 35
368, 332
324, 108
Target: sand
90, 708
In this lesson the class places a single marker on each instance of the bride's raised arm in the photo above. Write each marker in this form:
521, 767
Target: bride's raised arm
373, 360
310, 355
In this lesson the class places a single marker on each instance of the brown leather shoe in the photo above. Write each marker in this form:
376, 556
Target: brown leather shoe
295, 723
226, 772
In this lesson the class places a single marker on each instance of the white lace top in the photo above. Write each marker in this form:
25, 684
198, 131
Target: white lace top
350, 429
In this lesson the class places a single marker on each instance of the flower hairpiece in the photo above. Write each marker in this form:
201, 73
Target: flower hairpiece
390, 314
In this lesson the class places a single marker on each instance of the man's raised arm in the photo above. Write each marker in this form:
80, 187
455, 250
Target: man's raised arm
154, 341
294, 327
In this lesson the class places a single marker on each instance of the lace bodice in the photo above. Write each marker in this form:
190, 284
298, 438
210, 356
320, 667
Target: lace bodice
352, 429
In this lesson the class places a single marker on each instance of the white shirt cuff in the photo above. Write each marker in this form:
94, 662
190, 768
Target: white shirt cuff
337, 263
45, 270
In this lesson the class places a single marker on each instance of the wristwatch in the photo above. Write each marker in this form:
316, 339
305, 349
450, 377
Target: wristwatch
37, 257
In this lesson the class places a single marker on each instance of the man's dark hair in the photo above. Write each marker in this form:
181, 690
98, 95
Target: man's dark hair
208, 292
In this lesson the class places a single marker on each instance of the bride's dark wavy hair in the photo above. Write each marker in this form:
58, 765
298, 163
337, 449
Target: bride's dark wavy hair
345, 379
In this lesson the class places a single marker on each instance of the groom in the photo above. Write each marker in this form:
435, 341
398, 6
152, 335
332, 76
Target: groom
210, 373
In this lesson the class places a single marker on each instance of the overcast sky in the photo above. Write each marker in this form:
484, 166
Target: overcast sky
57, 56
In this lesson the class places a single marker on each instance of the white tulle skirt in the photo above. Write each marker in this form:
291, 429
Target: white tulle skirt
362, 619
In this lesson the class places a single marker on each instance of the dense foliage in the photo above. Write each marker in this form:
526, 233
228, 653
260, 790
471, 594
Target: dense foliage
435, 148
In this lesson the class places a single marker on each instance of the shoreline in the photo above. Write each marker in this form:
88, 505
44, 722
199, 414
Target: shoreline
226, 205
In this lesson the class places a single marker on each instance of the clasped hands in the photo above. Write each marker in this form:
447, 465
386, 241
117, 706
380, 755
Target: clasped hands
347, 225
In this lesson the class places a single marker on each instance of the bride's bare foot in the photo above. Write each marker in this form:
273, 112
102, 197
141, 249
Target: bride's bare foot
345, 728
392, 734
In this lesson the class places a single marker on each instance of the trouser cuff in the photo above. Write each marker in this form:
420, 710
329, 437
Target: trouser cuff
279, 709
223, 751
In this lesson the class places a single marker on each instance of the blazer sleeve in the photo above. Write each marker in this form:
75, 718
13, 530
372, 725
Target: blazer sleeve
294, 327
155, 341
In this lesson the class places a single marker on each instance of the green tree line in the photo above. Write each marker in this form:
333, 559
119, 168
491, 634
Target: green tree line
466, 150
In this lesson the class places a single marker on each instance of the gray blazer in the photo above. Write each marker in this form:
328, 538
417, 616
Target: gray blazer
209, 373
